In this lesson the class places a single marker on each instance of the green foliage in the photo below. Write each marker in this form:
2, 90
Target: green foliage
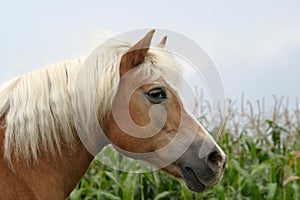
263, 152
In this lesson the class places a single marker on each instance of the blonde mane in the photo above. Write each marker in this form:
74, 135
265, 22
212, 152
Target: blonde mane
36, 108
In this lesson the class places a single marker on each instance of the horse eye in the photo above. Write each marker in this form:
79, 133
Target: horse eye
156, 95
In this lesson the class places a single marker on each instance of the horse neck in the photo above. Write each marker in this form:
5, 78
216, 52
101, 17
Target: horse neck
49, 176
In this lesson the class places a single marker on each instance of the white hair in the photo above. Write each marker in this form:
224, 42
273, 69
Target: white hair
37, 107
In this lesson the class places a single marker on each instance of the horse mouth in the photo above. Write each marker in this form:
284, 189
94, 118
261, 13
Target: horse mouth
192, 181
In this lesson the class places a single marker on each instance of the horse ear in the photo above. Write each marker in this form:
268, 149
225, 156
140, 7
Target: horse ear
162, 43
136, 54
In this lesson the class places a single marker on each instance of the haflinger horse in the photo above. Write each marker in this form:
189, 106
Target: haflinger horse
43, 156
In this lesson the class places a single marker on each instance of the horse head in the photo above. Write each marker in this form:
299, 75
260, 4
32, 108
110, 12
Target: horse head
150, 122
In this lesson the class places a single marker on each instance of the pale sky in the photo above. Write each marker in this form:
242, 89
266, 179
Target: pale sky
255, 45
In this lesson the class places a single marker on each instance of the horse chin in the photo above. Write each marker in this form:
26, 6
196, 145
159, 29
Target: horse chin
192, 181
188, 176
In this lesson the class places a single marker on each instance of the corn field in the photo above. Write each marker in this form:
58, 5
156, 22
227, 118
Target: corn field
263, 148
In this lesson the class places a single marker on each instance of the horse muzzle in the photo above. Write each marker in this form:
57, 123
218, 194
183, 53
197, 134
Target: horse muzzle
200, 174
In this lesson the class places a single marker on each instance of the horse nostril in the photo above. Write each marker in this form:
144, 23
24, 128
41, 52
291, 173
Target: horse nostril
215, 157
216, 161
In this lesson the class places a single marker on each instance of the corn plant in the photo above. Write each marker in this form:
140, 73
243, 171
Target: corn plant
263, 149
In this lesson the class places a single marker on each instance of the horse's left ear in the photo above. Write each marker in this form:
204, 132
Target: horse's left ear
162, 43
136, 54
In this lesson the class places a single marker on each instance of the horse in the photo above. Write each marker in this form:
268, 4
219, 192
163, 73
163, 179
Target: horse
44, 155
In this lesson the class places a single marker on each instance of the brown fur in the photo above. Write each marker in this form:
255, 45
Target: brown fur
47, 178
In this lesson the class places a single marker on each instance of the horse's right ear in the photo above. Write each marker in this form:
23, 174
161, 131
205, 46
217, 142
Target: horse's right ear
136, 54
